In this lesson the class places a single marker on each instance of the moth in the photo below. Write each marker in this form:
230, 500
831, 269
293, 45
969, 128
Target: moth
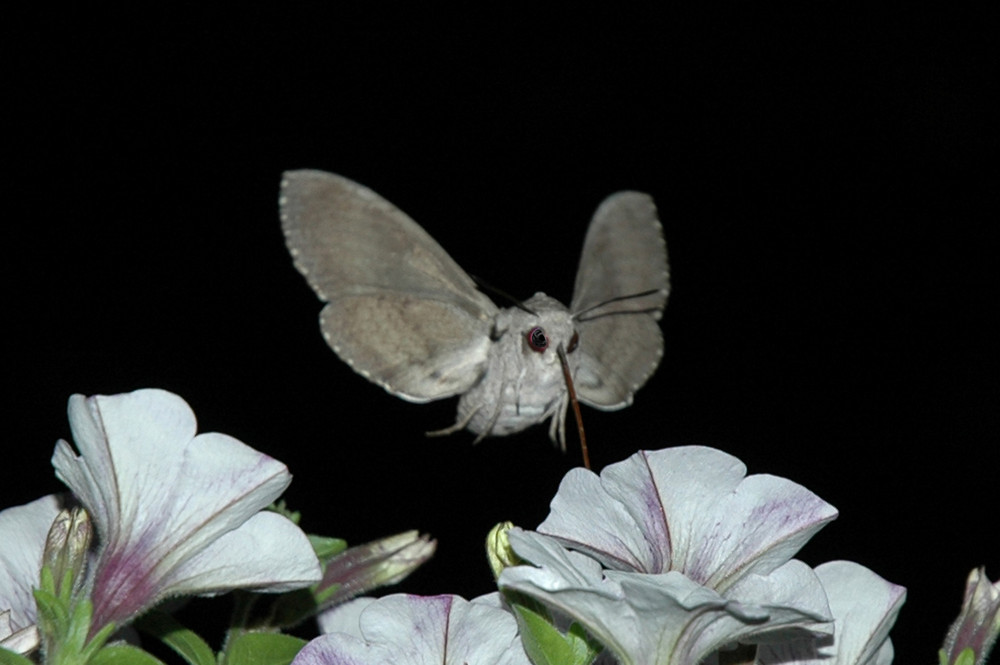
405, 316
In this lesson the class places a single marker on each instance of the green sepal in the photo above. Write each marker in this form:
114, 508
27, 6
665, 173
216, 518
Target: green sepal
66, 586
53, 615
966, 656
545, 645
262, 649
75, 639
326, 547
47, 581
97, 642
185, 642
327, 593
123, 654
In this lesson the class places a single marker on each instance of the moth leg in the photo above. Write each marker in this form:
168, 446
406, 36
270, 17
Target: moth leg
459, 425
489, 426
557, 426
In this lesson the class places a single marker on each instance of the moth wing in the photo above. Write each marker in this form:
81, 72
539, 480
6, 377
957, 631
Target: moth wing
620, 341
400, 311
417, 348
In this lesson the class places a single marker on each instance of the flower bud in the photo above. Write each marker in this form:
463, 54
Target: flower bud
66, 549
382, 562
498, 551
978, 624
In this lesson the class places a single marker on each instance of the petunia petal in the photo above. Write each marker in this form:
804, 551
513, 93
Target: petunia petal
589, 519
23, 530
864, 607
344, 618
407, 629
282, 560
162, 496
342, 649
24, 640
689, 509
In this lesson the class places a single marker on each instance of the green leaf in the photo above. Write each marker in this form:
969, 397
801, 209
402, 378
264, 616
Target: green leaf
545, 645
326, 547
263, 649
185, 642
123, 654
8, 657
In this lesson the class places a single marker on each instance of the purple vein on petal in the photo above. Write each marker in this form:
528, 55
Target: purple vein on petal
654, 503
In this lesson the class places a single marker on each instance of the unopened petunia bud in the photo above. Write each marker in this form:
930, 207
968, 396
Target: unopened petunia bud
66, 548
379, 563
498, 551
978, 624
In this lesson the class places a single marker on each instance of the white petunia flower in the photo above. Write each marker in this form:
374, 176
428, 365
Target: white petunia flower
413, 630
684, 554
176, 513
23, 531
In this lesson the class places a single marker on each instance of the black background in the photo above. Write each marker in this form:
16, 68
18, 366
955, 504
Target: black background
826, 179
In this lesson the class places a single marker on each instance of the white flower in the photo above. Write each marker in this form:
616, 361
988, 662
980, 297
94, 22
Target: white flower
695, 555
864, 608
23, 531
404, 630
175, 513
661, 618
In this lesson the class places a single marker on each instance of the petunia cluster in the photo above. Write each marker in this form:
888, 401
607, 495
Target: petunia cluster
162, 512
666, 558
670, 557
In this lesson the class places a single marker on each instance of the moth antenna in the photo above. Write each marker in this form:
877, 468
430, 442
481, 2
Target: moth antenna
578, 315
489, 288
576, 404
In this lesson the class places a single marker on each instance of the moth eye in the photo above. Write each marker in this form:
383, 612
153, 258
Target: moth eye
574, 341
537, 339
